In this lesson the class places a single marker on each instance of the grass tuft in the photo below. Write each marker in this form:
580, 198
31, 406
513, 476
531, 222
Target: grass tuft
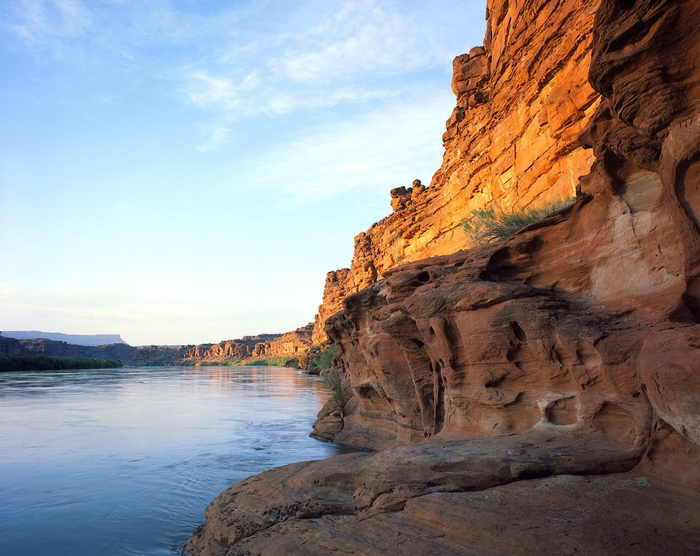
334, 382
485, 225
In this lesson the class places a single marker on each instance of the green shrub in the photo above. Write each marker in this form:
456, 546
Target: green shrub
274, 362
334, 382
324, 359
487, 224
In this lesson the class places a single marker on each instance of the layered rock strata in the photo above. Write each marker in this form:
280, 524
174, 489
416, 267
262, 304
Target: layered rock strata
536, 493
229, 350
511, 141
333, 295
292, 344
540, 394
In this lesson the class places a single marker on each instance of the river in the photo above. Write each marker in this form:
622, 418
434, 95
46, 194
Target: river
124, 461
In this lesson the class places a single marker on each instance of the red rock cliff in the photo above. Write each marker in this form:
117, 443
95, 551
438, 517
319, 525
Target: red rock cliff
539, 395
292, 344
511, 141
572, 322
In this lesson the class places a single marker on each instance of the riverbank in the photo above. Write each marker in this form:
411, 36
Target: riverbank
19, 362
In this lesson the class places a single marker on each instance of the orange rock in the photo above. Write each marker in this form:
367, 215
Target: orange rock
522, 100
292, 344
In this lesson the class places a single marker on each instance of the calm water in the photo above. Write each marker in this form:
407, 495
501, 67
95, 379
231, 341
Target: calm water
124, 462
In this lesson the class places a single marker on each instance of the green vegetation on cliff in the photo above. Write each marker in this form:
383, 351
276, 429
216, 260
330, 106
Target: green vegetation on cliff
323, 359
487, 224
22, 362
284, 361
334, 381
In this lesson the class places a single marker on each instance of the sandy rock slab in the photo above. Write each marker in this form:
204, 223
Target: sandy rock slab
626, 513
334, 505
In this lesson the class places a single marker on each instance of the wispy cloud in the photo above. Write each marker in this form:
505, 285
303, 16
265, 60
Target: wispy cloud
251, 58
218, 92
217, 136
361, 37
376, 151
354, 53
38, 21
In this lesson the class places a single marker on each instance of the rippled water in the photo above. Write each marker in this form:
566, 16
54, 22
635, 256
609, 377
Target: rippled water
124, 462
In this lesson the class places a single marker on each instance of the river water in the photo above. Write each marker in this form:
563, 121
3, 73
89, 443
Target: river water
125, 461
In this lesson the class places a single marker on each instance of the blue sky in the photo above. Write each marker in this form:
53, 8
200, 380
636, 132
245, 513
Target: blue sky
188, 171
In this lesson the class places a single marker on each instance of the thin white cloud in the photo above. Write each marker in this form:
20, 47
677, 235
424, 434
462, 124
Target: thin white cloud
212, 91
354, 53
38, 21
361, 38
378, 150
253, 58
249, 96
217, 135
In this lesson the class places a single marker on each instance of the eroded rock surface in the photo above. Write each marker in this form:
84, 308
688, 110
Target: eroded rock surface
292, 344
539, 395
511, 141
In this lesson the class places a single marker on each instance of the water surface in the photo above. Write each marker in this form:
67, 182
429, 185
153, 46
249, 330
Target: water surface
124, 461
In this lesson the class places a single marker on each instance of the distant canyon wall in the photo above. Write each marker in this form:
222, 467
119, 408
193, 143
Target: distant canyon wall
78, 339
128, 355
292, 344
511, 140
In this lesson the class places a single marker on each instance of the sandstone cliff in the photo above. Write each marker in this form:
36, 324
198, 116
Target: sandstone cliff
505, 383
511, 141
292, 345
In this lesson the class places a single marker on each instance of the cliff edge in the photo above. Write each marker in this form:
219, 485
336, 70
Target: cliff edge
536, 395
522, 99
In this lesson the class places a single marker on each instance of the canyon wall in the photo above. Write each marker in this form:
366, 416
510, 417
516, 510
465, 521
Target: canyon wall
535, 395
574, 321
292, 344
511, 141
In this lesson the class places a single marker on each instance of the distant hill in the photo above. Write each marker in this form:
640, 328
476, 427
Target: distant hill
77, 339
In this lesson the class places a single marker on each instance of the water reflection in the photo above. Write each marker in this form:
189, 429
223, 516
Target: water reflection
125, 461
272, 380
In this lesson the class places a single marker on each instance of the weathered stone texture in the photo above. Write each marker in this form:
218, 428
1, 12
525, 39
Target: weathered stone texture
511, 141
494, 379
264, 346
333, 295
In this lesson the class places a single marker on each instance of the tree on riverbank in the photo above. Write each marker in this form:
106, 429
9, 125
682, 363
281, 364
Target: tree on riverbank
21, 362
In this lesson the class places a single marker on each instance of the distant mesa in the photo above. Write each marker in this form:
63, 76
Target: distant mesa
77, 339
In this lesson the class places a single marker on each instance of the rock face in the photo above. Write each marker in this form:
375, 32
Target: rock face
333, 295
505, 384
229, 350
292, 344
511, 141
519, 494
10, 346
